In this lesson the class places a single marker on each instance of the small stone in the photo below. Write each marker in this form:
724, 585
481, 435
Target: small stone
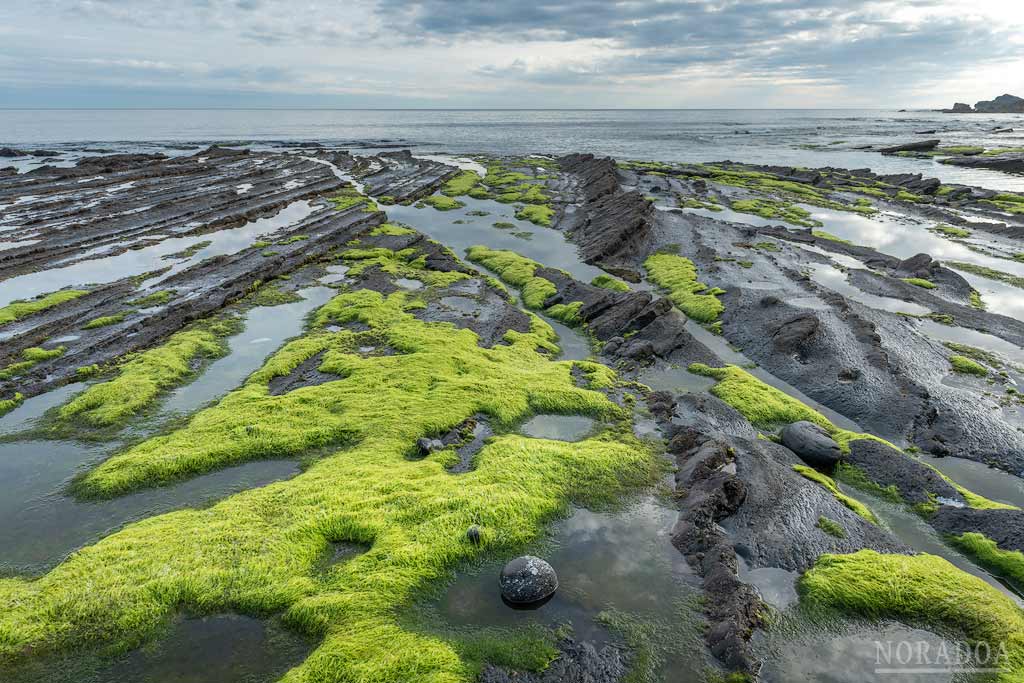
473, 534
527, 580
812, 444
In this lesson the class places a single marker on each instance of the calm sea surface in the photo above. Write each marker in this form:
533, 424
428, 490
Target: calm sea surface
756, 136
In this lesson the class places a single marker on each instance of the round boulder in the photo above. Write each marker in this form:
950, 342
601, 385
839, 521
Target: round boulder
528, 580
812, 444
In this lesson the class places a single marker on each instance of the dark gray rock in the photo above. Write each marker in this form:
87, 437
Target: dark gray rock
812, 444
473, 534
1005, 527
1004, 104
577, 662
527, 580
427, 446
920, 146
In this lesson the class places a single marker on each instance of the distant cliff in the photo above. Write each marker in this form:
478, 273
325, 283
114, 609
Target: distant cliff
1004, 104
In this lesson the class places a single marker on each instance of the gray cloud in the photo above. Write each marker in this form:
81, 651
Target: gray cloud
476, 49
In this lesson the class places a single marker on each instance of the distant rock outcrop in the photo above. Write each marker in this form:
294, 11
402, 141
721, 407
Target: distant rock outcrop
1004, 104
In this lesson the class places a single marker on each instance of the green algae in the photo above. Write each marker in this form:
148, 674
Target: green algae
678, 275
538, 214
392, 229
766, 407
608, 282
142, 378
257, 552
921, 589
442, 202
974, 353
350, 198
104, 321
9, 404
775, 209
518, 271
460, 184
403, 263
22, 309
831, 527
950, 231
31, 357
966, 366
829, 485
830, 237
1007, 563
158, 298
984, 271
919, 282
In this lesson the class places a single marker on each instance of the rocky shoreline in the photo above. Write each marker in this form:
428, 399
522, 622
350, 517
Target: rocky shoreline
716, 271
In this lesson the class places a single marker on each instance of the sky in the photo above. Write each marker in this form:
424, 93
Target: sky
520, 54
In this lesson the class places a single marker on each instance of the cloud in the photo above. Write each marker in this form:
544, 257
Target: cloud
531, 53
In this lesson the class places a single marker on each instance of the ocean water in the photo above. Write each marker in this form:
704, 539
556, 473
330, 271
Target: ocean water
755, 136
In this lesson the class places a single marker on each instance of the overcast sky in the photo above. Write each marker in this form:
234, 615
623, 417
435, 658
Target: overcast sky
448, 53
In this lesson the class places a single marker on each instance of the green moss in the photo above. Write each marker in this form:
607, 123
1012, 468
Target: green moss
904, 196
696, 203
990, 273
22, 309
919, 282
678, 275
774, 209
538, 214
517, 271
950, 231
292, 240
461, 184
976, 301
831, 527
957, 150
479, 193
105, 320
32, 356
142, 378
261, 244
920, 590
830, 485
9, 404
766, 407
350, 197
1007, 563
855, 477
609, 282
442, 202
270, 294
158, 298
391, 229
404, 263
259, 551
829, 236
975, 353
966, 366
386, 199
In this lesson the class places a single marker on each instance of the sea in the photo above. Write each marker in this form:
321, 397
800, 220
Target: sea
792, 137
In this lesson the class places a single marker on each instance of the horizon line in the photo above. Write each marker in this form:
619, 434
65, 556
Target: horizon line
462, 109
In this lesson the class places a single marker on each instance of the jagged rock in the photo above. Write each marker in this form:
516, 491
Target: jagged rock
961, 108
577, 662
812, 444
919, 265
792, 334
1010, 162
922, 146
1004, 104
427, 446
527, 580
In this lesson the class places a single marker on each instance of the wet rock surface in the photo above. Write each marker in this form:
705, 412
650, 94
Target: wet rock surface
527, 580
812, 444
577, 662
